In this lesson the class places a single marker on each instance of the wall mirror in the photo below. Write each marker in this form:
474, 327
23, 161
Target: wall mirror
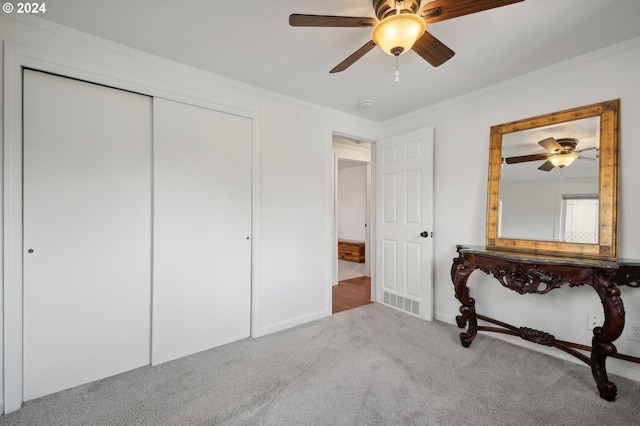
553, 183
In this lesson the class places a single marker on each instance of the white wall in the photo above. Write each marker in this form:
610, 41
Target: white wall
292, 162
461, 166
352, 203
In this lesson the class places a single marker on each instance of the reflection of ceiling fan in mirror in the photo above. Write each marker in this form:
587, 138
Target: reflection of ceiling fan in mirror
561, 153
401, 26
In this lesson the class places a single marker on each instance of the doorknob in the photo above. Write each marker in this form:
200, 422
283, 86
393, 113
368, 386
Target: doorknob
424, 234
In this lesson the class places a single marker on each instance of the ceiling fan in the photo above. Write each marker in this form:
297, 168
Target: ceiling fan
561, 153
399, 27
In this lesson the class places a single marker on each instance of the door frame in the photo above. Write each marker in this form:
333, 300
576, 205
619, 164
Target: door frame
354, 155
17, 57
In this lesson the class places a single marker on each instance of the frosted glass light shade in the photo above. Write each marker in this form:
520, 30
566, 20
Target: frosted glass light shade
396, 34
562, 160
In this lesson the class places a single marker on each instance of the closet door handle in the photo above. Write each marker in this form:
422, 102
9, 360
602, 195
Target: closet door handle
424, 234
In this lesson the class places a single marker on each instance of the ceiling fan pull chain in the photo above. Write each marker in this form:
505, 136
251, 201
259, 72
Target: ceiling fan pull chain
399, 6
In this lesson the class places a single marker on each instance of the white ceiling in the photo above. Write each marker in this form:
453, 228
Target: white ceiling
251, 41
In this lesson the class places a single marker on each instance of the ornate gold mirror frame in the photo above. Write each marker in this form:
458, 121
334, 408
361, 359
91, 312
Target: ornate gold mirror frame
606, 246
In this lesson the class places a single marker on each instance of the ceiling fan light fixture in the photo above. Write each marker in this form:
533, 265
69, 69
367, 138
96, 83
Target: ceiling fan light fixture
562, 160
396, 34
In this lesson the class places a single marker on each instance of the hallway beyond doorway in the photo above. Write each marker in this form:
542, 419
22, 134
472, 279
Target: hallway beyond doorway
352, 293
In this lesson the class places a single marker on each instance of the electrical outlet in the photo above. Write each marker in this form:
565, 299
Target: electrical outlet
596, 320
633, 331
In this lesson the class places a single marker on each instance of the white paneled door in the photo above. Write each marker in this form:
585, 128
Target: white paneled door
202, 229
87, 232
404, 242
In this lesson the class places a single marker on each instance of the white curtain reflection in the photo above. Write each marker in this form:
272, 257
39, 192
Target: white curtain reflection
580, 218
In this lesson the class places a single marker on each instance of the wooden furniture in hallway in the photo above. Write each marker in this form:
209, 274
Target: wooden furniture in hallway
349, 294
352, 251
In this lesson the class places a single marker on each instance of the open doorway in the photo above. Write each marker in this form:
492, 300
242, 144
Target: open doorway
351, 248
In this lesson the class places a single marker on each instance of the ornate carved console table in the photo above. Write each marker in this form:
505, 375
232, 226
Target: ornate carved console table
527, 274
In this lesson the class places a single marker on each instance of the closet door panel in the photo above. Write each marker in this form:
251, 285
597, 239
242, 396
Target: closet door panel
87, 232
202, 226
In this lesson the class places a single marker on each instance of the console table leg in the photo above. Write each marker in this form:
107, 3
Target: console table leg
599, 353
460, 271
468, 317
611, 329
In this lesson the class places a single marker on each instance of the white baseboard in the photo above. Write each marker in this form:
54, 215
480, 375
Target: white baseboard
263, 331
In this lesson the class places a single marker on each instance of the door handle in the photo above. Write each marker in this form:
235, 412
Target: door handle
425, 234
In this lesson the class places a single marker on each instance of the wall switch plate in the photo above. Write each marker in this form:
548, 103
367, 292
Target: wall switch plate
633, 331
595, 320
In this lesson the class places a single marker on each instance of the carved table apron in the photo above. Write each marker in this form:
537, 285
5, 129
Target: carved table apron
528, 273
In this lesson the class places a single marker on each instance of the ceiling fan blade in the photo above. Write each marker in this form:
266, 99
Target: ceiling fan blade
440, 10
432, 50
297, 20
547, 166
525, 158
586, 149
551, 145
586, 158
354, 57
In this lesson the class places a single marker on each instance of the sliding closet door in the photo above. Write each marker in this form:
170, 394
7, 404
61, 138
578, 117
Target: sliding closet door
202, 226
87, 232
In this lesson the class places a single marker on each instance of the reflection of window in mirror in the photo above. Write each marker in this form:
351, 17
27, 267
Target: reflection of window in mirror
580, 218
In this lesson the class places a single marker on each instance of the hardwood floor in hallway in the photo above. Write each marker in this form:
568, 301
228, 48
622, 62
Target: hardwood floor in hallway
349, 294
